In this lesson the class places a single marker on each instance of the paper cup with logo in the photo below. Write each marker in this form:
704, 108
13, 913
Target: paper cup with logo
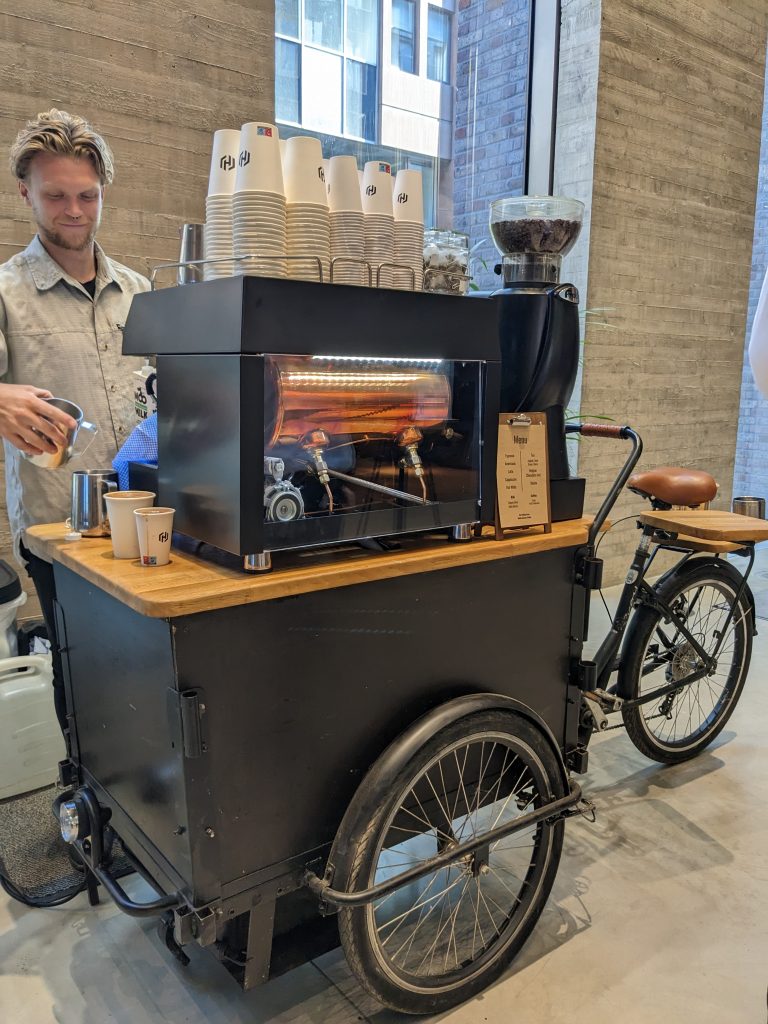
154, 527
122, 523
408, 197
226, 149
343, 185
304, 171
259, 168
377, 188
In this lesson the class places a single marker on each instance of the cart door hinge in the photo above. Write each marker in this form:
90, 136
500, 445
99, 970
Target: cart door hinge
191, 726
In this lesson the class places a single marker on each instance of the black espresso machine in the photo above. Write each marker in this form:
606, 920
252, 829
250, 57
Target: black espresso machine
293, 414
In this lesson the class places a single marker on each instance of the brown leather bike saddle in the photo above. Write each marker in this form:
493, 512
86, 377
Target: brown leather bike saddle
674, 485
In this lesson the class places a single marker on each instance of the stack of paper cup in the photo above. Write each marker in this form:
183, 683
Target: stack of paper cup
408, 211
217, 237
379, 222
347, 221
258, 205
308, 226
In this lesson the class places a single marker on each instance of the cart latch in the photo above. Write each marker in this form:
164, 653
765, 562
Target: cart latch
589, 573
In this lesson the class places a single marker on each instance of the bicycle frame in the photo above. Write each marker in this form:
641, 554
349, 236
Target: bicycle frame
593, 676
638, 591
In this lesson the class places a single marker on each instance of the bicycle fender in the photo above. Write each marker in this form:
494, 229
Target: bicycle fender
387, 767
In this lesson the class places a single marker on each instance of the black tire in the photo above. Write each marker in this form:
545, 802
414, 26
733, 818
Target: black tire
468, 774
679, 726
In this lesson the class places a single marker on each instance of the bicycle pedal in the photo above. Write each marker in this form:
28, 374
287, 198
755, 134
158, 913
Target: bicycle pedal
583, 809
609, 701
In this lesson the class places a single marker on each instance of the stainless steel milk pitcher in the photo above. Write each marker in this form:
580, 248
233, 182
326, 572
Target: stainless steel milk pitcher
73, 447
89, 511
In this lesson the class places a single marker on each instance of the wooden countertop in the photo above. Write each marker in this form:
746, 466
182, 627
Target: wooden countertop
190, 584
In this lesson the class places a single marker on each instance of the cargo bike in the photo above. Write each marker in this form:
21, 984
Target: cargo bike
401, 784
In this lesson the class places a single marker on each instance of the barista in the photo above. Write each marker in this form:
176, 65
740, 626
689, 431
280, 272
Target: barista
63, 302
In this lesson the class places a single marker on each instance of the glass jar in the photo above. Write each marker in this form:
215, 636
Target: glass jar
446, 262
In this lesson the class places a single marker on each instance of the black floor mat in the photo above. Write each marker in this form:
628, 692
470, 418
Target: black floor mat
33, 856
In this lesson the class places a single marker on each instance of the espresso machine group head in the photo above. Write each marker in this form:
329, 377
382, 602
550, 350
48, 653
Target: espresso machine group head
538, 323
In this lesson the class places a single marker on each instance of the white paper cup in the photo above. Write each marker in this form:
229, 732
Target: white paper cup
344, 185
408, 197
259, 168
122, 523
304, 172
154, 527
377, 188
226, 149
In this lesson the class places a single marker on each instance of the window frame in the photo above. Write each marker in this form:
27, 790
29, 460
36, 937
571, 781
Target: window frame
416, 6
448, 16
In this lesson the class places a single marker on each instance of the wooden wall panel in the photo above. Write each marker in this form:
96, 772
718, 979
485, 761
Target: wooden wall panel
157, 79
677, 144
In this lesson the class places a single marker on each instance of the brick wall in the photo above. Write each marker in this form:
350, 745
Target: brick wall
490, 120
751, 473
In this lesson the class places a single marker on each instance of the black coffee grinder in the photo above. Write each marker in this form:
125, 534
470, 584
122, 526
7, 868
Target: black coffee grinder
539, 325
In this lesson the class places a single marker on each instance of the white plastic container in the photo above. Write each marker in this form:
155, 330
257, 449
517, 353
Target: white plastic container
8, 628
31, 744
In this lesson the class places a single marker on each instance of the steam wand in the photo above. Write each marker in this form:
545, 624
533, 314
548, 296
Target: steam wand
409, 440
381, 488
315, 444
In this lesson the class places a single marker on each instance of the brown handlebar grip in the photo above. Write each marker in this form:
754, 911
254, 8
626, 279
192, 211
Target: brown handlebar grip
602, 430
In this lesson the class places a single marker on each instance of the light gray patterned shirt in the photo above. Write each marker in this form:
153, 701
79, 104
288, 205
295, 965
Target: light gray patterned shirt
54, 336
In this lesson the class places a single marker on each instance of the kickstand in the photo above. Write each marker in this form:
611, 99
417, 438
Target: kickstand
165, 931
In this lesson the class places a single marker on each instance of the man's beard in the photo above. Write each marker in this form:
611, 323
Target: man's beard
64, 241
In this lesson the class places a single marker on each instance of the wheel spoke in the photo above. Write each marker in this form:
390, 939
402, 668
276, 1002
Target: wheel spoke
452, 922
684, 718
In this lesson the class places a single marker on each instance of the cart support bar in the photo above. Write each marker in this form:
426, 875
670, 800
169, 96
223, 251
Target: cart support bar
549, 812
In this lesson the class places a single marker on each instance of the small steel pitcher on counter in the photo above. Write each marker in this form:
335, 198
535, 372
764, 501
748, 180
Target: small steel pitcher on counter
89, 510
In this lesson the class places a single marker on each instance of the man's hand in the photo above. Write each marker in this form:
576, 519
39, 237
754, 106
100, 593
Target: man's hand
30, 424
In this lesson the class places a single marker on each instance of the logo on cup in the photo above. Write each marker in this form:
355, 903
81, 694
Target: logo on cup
245, 158
321, 173
264, 131
386, 168
149, 560
227, 163
371, 190
402, 197
163, 537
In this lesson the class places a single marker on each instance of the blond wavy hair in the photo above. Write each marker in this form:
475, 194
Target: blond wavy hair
56, 131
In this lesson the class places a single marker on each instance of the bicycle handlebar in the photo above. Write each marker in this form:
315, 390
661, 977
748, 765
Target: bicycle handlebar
624, 433
599, 430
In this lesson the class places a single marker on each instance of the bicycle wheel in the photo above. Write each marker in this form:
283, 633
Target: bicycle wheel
438, 941
680, 724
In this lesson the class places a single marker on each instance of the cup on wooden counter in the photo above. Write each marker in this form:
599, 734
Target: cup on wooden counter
120, 508
154, 527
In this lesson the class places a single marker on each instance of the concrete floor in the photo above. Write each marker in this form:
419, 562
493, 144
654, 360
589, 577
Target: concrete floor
659, 914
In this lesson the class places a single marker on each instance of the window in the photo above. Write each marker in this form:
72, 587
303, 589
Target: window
321, 91
404, 35
322, 23
287, 107
287, 18
439, 45
360, 101
363, 30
